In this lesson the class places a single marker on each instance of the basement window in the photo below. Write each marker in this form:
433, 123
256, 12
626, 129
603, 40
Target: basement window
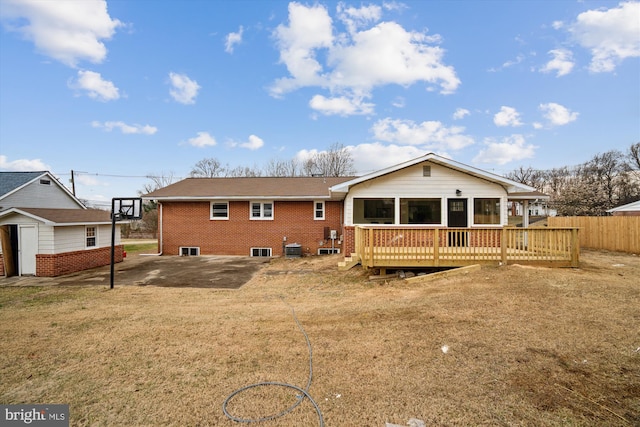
328, 251
189, 251
262, 252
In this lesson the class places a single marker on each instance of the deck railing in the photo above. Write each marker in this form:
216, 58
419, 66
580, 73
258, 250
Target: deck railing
442, 247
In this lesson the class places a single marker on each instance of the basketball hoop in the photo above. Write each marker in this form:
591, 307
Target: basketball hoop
122, 208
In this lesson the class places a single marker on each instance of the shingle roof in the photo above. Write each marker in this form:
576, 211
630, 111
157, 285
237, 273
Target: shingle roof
66, 216
248, 188
9, 181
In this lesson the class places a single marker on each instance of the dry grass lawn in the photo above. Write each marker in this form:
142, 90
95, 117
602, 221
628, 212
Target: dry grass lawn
525, 347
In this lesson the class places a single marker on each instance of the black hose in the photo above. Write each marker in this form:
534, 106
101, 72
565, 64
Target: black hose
304, 391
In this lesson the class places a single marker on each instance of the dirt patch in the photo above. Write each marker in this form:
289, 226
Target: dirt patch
221, 272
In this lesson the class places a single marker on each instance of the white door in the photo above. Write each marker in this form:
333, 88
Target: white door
27, 249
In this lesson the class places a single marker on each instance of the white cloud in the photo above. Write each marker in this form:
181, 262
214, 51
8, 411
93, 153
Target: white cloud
184, 89
611, 35
23, 165
340, 105
67, 30
203, 139
460, 113
233, 39
562, 62
354, 18
95, 86
254, 143
125, 128
429, 134
508, 116
558, 115
357, 61
399, 102
509, 149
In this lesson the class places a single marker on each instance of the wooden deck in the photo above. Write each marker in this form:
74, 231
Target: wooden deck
403, 247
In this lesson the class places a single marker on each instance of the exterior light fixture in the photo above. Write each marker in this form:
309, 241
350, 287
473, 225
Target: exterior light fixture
458, 193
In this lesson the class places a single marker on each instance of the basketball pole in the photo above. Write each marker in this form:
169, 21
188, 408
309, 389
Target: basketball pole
113, 238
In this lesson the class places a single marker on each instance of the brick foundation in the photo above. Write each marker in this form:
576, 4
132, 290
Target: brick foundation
71, 262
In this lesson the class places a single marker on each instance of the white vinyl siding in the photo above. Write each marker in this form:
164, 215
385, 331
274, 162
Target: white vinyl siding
36, 195
410, 183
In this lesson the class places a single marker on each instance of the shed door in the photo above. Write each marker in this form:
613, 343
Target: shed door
27, 249
457, 213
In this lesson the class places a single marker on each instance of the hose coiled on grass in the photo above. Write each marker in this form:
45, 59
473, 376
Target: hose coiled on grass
304, 391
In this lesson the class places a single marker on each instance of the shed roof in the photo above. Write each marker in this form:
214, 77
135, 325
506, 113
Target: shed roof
63, 216
247, 188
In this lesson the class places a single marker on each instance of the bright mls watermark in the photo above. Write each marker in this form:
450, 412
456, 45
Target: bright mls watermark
34, 415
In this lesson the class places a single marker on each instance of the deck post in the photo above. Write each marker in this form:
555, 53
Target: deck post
436, 247
575, 248
503, 245
371, 246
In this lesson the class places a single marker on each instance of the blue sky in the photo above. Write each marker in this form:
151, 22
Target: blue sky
119, 90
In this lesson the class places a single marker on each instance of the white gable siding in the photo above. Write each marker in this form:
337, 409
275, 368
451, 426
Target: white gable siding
36, 195
442, 184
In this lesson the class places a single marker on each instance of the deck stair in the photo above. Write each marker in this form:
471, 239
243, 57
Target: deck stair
349, 262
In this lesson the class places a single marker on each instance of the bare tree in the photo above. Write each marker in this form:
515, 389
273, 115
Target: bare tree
633, 156
276, 167
336, 161
528, 176
243, 171
208, 168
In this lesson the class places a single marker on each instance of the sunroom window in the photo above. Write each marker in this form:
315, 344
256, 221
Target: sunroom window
420, 211
373, 211
486, 211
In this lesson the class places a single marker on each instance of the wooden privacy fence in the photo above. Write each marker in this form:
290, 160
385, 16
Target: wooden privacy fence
613, 233
454, 247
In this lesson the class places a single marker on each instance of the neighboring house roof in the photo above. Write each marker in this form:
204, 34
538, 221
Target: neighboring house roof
12, 182
629, 207
512, 187
248, 188
63, 217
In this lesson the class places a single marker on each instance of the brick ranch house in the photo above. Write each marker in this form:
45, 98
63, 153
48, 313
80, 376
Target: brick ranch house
261, 216
46, 231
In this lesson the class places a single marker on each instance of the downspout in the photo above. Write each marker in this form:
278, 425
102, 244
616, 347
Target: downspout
159, 232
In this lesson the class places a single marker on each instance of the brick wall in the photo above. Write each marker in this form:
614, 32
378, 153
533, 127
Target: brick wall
188, 224
48, 265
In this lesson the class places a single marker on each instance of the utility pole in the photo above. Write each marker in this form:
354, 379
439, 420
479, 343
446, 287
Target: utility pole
73, 184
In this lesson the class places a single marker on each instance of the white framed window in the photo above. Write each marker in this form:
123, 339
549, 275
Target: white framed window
189, 251
263, 252
261, 210
91, 236
219, 210
318, 210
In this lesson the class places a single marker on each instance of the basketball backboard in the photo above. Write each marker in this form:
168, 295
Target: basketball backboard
126, 208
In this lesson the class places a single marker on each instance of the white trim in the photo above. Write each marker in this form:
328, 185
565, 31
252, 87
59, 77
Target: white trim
269, 250
262, 217
189, 250
95, 237
315, 209
218, 218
